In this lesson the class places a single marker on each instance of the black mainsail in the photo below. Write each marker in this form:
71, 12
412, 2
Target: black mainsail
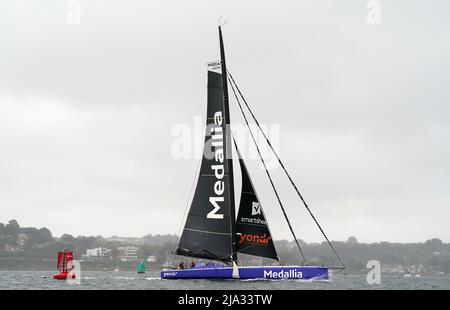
210, 231
254, 236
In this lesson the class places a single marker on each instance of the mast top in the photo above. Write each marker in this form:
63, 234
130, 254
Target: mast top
220, 22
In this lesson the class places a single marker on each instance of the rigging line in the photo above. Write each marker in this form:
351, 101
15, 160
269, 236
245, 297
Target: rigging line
270, 177
286, 172
207, 232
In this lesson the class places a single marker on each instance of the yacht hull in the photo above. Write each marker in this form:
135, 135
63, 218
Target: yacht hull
256, 272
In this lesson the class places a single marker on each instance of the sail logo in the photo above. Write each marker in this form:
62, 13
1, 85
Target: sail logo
218, 168
215, 66
256, 208
251, 220
255, 239
283, 274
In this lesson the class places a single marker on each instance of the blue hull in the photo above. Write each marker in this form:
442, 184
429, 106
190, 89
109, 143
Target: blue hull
264, 272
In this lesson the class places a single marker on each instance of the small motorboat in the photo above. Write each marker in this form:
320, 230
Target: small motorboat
64, 266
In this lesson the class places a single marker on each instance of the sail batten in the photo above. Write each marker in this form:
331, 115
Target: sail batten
207, 232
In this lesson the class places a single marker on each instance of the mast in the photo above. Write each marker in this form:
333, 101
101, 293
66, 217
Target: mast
229, 147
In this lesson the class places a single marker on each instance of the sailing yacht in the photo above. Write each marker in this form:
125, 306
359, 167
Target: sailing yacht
117, 264
212, 231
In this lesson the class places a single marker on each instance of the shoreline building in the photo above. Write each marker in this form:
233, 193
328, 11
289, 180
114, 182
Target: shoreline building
128, 253
97, 253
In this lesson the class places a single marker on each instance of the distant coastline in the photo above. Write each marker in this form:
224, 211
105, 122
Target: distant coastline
29, 248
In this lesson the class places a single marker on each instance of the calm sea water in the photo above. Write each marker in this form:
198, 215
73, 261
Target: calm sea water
128, 280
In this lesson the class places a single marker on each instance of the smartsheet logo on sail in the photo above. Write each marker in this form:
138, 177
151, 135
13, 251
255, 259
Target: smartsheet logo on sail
218, 168
256, 208
257, 218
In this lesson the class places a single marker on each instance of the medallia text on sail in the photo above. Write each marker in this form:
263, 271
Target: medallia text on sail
207, 233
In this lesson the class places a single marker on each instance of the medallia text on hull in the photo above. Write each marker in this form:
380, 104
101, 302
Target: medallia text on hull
212, 231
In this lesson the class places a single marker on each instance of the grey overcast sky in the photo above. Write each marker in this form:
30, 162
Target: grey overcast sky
87, 112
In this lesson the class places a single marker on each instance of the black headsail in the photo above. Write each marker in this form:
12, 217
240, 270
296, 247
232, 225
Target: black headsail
209, 231
254, 236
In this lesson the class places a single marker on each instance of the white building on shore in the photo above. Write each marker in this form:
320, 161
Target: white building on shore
97, 253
